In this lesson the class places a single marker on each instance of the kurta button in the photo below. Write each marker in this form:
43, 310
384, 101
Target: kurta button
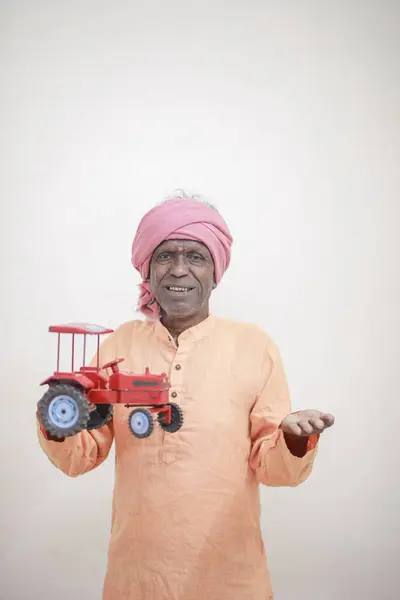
177, 367
174, 394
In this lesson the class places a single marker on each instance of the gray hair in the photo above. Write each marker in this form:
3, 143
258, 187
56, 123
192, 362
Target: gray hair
182, 193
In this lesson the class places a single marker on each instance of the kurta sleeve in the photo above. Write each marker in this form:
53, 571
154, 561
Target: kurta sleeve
86, 450
79, 453
270, 457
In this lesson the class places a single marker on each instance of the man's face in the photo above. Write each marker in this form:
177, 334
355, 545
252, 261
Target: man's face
181, 276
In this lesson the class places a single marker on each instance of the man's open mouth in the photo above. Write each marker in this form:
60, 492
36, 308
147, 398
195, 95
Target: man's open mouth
177, 289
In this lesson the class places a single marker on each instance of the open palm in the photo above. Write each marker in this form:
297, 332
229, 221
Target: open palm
306, 422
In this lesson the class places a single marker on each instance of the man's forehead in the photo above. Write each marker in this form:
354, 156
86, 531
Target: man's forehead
181, 245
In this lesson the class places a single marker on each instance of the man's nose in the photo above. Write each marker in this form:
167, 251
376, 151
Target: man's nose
179, 266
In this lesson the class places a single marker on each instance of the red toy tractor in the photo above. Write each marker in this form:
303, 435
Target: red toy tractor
84, 399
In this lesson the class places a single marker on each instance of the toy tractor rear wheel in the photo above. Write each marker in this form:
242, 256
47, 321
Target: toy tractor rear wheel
176, 419
99, 416
63, 410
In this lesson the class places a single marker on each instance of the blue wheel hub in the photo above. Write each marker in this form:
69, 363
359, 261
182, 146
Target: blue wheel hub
63, 411
140, 423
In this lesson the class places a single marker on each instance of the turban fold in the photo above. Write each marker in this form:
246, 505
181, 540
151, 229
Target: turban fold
182, 219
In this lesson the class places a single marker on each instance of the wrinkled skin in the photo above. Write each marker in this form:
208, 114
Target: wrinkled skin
182, 263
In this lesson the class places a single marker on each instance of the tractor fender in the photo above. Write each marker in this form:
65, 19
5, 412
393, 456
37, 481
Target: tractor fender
76, 379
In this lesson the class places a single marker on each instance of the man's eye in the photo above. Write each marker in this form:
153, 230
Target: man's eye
196, 257
163, 256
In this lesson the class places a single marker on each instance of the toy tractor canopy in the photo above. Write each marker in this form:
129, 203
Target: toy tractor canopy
79, 329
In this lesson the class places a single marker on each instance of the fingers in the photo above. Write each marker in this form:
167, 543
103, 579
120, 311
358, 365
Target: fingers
300, 428
319, 421
328, 419
318, 425
294, 429
306, 423
306, 427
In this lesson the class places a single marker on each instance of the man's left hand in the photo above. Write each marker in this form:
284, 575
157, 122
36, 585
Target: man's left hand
306, 423
299, 426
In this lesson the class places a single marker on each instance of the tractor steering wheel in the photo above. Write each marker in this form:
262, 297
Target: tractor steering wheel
113, 363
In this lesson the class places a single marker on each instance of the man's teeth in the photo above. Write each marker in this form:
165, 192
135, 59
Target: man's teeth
178, 289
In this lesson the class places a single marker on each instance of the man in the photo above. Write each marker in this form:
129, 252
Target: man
186, 513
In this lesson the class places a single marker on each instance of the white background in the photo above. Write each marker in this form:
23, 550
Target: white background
286, 114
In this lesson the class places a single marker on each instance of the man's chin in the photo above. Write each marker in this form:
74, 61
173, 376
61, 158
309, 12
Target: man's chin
179, 309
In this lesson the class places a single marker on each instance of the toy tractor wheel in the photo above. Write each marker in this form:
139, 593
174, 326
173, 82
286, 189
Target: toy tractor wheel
99, 416
63, 410
141, 422
176, 419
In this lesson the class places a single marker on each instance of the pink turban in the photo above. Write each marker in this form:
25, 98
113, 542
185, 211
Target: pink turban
180, 218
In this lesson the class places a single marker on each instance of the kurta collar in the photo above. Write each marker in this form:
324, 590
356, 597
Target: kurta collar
198, 332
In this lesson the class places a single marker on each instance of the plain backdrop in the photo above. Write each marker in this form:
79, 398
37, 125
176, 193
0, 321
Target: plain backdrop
286, 116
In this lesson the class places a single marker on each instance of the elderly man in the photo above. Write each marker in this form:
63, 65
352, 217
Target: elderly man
186, 512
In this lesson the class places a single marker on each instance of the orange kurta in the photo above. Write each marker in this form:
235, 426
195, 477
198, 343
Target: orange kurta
186, 512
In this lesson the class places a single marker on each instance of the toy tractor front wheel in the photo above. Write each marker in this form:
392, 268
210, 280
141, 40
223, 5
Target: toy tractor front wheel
63, 410
141, 422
